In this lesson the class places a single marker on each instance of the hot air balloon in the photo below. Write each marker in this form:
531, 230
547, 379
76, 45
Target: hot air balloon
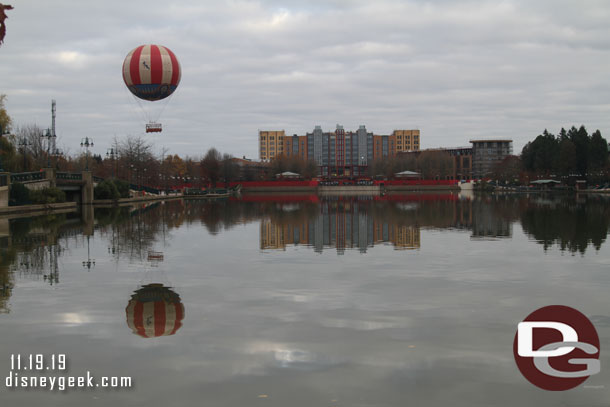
152, 73
154, 310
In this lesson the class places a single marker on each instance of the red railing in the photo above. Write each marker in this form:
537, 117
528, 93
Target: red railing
259, 184
286, 198
314, 183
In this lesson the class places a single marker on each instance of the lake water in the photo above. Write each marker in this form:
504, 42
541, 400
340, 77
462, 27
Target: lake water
303, 300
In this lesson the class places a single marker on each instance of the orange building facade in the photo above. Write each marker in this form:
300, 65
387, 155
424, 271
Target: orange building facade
338, 153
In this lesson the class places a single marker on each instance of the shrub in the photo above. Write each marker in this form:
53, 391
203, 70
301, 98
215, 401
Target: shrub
122, 187
19, 194
47, 196
106, 190
54, 195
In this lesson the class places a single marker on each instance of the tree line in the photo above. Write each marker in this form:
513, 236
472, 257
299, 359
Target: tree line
132, 158
430, 164
571, 154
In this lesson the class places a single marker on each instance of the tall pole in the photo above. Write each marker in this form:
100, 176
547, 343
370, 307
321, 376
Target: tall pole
116, 161
1, 135
24, 143
86, 143
56, 153
49, 136
53, 123
111, 153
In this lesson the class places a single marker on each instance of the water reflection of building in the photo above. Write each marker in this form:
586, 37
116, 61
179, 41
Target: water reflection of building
277, 236
342, 224
361, 222
404, 237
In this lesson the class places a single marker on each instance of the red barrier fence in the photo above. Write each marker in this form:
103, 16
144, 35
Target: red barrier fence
261, 184
315, 183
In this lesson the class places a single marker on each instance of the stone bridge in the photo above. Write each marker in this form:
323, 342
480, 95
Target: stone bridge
78, 186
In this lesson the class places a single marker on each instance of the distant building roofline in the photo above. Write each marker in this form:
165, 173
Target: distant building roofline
484, 140
448, 148
437, 149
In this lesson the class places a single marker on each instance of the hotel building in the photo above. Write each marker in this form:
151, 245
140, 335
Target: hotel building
487, 153
270, 144
338, 153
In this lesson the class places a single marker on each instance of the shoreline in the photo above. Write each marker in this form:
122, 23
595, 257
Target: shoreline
335, 190
63, 207
105, 203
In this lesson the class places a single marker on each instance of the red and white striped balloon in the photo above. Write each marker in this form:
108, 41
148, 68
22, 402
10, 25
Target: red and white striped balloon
151, 72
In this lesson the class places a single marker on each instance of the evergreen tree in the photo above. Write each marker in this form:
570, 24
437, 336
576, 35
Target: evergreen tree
598, 151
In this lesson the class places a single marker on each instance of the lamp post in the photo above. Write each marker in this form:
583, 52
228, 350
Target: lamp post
89, 263
131, 169
86, 143
2, 134
23, 144
57, 153
112, 154
49, 135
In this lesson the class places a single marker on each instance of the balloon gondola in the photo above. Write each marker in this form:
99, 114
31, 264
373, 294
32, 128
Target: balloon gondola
154, 311
154, 127
151, 73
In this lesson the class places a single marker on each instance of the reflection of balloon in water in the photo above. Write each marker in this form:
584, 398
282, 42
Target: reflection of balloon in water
154, 310
151, 72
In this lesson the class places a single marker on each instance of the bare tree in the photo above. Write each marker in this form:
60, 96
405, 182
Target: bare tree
30, 135
435, 164
210, 166
229, 168
136, 153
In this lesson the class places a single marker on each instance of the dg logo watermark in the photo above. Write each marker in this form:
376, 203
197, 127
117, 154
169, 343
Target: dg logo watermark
556, 348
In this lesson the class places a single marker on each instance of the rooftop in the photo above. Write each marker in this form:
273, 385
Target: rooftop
504, 140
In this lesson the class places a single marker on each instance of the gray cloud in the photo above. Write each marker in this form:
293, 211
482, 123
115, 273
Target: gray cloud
456, 70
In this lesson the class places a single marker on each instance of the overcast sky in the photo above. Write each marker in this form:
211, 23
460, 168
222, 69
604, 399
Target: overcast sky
456, 70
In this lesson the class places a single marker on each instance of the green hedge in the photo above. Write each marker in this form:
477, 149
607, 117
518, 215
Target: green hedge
106, 190
122, 187
47, 196
111, 189
21, 195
